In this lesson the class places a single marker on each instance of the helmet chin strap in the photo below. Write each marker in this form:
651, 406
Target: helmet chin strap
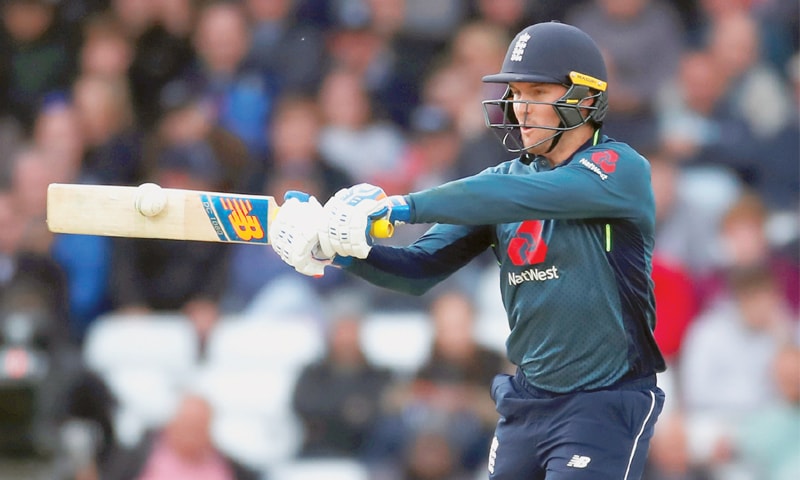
555, 138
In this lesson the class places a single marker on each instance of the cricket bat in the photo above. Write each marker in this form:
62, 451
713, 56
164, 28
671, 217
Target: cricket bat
115, 211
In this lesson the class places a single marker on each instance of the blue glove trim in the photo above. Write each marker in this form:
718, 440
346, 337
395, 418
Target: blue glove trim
341, 261
400, 210
301, 196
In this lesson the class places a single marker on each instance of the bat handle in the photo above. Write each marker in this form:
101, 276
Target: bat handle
381, 228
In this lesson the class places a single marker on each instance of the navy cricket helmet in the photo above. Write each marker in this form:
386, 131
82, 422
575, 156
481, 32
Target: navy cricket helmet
551, 52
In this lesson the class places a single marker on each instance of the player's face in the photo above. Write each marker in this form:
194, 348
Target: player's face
539, 113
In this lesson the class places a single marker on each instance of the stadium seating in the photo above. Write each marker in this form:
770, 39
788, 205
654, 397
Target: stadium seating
400, 341
248, 375
281, 343
145, 360
317, 469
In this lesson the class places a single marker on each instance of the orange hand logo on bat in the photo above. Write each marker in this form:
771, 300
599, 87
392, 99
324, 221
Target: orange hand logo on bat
246, 226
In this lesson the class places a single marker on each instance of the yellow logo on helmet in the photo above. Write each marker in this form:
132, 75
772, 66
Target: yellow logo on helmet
587, 81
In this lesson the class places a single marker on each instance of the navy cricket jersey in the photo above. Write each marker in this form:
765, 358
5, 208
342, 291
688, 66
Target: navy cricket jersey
574, 245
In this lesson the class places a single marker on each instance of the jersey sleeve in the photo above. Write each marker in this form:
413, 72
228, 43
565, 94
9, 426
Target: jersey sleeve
415, 269
599, 182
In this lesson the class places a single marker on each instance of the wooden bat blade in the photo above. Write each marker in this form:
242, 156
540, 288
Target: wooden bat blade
188, 215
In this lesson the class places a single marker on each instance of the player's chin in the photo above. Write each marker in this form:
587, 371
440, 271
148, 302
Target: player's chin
532, 141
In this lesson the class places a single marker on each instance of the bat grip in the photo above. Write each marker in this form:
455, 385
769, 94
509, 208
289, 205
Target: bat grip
381, 228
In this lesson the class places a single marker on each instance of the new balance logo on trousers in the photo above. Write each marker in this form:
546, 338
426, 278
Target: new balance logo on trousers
578, 461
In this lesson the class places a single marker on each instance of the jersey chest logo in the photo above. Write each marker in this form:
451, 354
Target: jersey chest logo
528, 247
606, 159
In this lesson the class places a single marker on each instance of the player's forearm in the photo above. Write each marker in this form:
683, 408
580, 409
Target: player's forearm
572, 191
398, 269
430, 259
489, 199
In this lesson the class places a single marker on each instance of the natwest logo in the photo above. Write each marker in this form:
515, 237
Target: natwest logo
533, 275
606, 159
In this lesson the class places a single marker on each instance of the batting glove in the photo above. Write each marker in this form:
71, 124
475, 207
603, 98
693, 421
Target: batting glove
349, 216
293, 234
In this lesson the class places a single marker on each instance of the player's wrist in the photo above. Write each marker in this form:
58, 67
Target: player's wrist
396, 209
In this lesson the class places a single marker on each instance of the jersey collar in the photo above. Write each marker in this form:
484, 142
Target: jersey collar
541, 164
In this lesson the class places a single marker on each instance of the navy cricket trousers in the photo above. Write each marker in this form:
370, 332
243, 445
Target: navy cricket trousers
592, 435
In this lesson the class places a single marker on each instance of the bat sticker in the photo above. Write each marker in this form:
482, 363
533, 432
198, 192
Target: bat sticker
236, 218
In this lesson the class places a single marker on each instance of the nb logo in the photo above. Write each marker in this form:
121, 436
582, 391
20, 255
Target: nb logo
578, 461
493, 454
246, 226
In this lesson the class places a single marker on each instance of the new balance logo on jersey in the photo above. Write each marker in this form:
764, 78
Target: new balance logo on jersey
579, 461
533, 275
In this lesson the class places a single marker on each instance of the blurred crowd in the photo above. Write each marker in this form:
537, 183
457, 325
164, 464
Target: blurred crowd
266, 96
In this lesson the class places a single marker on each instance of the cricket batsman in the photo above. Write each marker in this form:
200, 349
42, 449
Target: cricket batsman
571, 223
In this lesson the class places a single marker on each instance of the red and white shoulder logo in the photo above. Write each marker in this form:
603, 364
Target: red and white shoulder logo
606, 160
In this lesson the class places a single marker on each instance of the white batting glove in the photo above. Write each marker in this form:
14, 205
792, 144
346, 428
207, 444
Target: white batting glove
349, 214
293, 235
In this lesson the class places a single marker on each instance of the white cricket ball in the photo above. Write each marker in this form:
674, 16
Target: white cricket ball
150, 199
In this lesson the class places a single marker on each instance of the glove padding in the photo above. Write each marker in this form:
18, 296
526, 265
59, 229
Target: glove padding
349, 214
293, 235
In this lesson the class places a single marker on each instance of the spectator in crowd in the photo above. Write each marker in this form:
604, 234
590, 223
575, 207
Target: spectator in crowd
642, 42
778, 23
676, 300
242, 96
670, 456
85, 259
30, 280
695, 124
726, 363
161, 33
187, 121
151, 275
338, 398
757, 92
475, 51
689, 240
284, 46
510, 15
294, 137
432, 154
106, 50
744, 243
430, 455
447, 393
422, 22
768, 440
32, 171
37, 57
45, 383
676, 306
442, 89
352, 137
778, 182
183, 448
113, 139
57, 131
375, 50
